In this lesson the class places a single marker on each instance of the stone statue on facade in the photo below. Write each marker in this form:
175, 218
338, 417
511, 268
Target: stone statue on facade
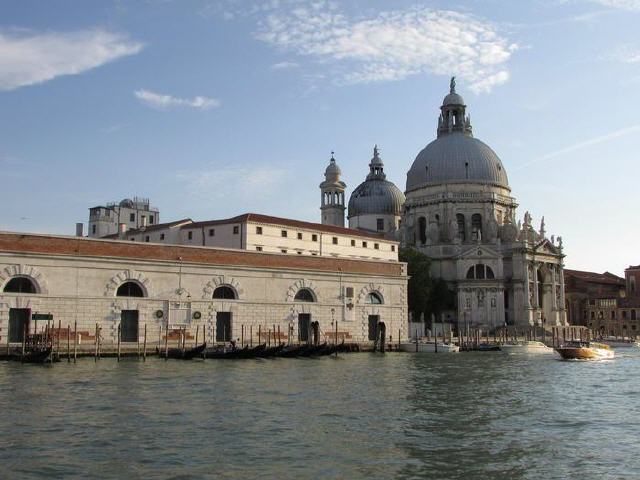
492, 230
542, 229
453, 231
433, 233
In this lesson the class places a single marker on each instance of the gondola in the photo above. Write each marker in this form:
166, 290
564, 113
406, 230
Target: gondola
38, 355
271, 351
227, 353
293, 351
180, 354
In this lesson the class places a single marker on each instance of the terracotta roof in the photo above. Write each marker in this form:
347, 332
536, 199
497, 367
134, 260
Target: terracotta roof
151, 228
92, 247
259, 218
606, 277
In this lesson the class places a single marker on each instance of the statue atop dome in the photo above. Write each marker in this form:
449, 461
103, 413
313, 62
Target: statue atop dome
452, 85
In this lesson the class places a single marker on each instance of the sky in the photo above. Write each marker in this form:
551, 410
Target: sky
216, 108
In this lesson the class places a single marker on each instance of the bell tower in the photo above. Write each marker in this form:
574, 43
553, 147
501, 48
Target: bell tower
332, 204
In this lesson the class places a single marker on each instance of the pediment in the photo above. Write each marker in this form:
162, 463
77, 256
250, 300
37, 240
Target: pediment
545, 247
478, 252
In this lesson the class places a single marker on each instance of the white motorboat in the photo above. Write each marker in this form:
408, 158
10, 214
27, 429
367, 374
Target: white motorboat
619, 342
429, 347
527, 347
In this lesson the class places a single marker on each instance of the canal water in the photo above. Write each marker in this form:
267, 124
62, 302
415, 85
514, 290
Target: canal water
400, 416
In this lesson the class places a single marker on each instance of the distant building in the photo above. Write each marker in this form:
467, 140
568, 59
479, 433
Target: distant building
132, 213
591, 295
604, 302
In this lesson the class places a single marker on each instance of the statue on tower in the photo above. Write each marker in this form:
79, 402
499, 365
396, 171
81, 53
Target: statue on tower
452, 85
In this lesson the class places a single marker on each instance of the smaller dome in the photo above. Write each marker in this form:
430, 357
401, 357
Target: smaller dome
126, 203
333, 170
453, 99
376, 197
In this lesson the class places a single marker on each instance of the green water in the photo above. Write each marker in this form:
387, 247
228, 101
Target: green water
401, 416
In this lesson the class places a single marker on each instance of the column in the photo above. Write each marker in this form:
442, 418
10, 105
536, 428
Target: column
527, 302
536, 289
554, 271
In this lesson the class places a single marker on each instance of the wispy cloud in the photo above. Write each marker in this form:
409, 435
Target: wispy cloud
624, 54
392, 45
28, 57
630, 5
162, 101
284, 65
214, 181
584, 144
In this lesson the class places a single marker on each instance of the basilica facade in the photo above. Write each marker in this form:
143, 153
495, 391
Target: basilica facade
459, 210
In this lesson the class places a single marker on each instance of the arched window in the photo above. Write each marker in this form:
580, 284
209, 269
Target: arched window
476, 226
480, 271
422, 230
374, 298
304, 295
20, 285
490, 274
471, 273
224, 293
462, 230
129, 289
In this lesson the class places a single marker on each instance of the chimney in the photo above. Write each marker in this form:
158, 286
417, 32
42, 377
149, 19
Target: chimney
122, 230
79, 228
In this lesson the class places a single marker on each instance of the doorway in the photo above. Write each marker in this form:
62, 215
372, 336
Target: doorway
373, 327
223, 327
304, 325
129, 325
18, 323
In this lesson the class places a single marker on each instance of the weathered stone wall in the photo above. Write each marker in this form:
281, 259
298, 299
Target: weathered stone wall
77, 279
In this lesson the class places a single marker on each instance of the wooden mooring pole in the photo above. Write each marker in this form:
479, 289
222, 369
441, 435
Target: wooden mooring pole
68, 343
166, 342
95, 345
75, 341
144, 345
119, 339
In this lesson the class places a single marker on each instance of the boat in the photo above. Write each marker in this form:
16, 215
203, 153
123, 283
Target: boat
36, 355
183, 354
525, 347
293, 351
270, 351
619, 342
429, 347
585, 351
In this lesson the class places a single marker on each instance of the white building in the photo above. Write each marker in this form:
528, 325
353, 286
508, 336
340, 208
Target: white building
265, 233
108, 219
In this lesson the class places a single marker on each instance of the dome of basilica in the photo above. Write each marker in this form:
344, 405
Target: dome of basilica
455, 156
